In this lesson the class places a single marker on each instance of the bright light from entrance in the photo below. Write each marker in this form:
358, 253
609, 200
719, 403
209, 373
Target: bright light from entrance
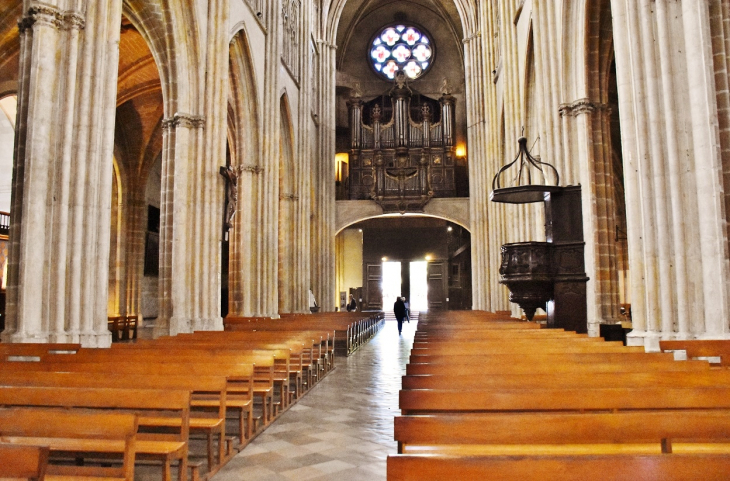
419, 286
391, 284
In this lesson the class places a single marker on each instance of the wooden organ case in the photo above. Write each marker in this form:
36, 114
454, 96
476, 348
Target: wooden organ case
405, 154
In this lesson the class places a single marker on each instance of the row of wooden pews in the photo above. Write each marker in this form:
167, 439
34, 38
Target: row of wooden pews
165, 401
352, 329
487, 397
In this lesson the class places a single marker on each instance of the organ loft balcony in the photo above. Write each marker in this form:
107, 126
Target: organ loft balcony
402, 150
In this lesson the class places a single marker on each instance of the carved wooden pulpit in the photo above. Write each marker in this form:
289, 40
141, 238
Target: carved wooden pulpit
548, 275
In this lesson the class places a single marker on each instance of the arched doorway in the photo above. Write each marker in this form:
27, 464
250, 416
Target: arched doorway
417, 257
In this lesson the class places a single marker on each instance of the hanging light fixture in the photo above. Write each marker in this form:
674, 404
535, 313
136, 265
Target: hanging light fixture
530, 183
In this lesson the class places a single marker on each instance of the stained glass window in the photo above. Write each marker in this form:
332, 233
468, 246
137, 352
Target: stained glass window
401, 47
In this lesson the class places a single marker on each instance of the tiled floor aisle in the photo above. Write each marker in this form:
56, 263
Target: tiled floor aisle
343, 428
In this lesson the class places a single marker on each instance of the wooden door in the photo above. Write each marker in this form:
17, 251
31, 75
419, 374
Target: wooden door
373, 286
436, 278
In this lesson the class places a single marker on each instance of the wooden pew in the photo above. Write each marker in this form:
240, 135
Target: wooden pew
75, 435
37, 348
201, 386
516, 366
262, 360
282, 356
701, 348
238, 376
539, 356
679, 467
23, 463
431, 401
709, 378
166, 448
310, 342
564, 433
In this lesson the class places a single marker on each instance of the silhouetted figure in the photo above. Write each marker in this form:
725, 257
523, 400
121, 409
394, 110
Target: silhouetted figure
352, 306
399, 309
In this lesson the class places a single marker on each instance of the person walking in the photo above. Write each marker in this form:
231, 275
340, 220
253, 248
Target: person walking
399, 309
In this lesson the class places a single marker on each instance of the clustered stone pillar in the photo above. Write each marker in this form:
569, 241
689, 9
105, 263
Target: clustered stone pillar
676, 233
59, 238
323, 203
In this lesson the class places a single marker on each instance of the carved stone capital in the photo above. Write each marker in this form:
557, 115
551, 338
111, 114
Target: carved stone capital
49, 16
582, 106
254, 169
187, 121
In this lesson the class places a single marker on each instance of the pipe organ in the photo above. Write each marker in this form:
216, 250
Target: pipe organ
402, 148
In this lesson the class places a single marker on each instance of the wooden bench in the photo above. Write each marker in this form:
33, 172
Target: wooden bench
166, 448
239, 378
310, 342
74, 435
23, 463
37, 348
709, 378
202, 387
679, 467
701, 348
516, 366
262, 361
288, 357
537, 356
431, 401
564, 433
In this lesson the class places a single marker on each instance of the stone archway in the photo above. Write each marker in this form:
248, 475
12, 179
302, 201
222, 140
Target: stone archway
245, 286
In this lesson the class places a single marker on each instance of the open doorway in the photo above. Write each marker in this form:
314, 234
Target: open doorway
418, 300
391, 284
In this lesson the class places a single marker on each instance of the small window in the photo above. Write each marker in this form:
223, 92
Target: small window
401, 47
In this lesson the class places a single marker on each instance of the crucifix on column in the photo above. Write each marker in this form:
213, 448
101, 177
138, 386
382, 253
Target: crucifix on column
231, 175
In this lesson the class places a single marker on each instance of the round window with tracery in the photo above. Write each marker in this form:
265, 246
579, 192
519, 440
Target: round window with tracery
401, 47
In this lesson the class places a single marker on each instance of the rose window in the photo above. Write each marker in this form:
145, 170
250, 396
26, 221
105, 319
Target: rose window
401, 47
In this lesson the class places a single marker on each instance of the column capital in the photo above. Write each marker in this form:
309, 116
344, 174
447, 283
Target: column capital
254, 169
50, 16
187, 121
582, 106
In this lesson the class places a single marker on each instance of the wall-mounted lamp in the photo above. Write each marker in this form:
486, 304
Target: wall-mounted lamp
428, 257
449, 229
460, 151
384, 259
340, 169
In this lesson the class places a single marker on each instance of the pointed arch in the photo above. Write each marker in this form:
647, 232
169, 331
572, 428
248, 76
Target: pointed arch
244, 273
288, 200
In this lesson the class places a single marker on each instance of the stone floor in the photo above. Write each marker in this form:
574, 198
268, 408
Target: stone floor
343, 428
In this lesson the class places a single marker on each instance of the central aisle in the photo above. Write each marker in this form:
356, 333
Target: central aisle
343, 428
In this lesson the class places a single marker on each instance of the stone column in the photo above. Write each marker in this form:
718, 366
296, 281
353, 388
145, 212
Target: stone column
208, 185
588, 124
713, 242
59, 241
271, 133
477, 166
323, 202
675, 215
180, 136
